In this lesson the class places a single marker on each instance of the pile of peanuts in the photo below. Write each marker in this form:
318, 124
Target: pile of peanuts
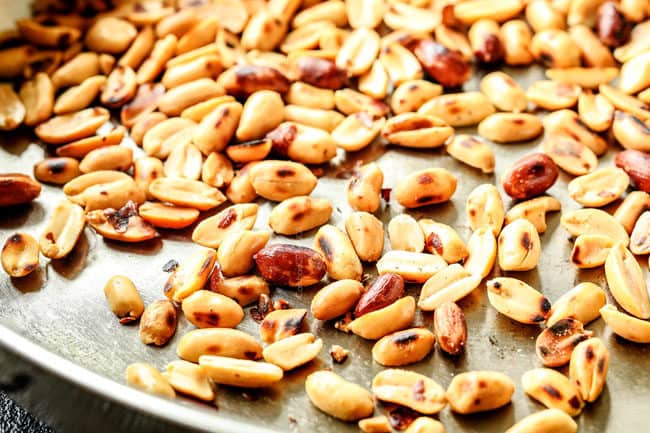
212, 90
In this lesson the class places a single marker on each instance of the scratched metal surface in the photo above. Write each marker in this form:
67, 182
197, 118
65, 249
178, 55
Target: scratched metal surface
58, 318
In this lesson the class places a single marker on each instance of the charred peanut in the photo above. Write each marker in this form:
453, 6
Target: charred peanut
147, 378
186, 193
504, 92
625, 325
568, 123
37, 95
167, 216
425, 424
486, 41
588, 368
591, 250
482, 252
533, 210
410, 389
158, 323
336, 299
237, 249
471, 11
337, 397
318, 71
634, 204
570, 155
599, 187
243, 373
510, 127
294, 351
290, 265
631, 132
448, 285
74, 126
442, 240
262, 112
553, 389
123, 299
211, 231
447, 67
518, 300
384, 291
484, 207
303, 144
530, 176
556, 343
473, 151
546, 421
517, 37
582, 303
189, 379
594, 222
281, 324
57, 171
479, 391
403, 347
459, 109
62, 231
640, 239
595, 111
279, 180
205, 309
185, 161
366, 233
425, 187
299, 214
394, 317
123, 224
405, 234
357, 131
119, 158
635, 164
220, 342
450, 328
410, 95
415, 130
339, 254
19, 255
626, 282
519, 246
364, 188
191, 275
413, 267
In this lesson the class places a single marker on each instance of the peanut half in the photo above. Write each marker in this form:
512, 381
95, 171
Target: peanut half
410, 389
19, 255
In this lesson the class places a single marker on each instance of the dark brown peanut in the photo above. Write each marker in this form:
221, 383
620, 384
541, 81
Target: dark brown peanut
445, 66
158, 323
17, 188
530, 176
612, 26
450, 328
555, 344
385, 290
243, 80
290, 265
637, 165
320, 72
57, 170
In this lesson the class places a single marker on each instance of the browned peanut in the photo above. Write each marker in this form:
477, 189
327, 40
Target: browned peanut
567, 122
327, 120
599, 187
245, 289
147, 378
556, 343
281, 324
80, 148
189, 379
337, 397
263, 111
299, 214
240, 372
241, 189
76, 70
217, 170
168, 216
626, 282
447, 67
339, 254
364, 189
62, 231
555, 48
200, 110
186, 193
459, 109
593, 51
442, 240
484, 207
400, 63
220, 342
145, 171
123, 299
184, 160
119, 158
570, 155
350, 101
410, 389
582, 303
394, 317
473, 151
70, 127
625, 325
375, 82
20, 255
384, 291
517, 37
237, 250
631, 132
518, 301
244, 80
482, 252
425, 187
510, 127
290, 265
319, 72
158, 323
110, 35
211, 231
530, 176
47, 35
294, 351
519, 246
358, 51
486, 41
624, 102
306, 95
205, 309
534, 210
37, 95
366, 233
302, 143
612, 26
542, 15
553, 390
250, 151
57, 170
279, 180
191, 275
591, 250
123, 224
403, 347
588, 368
450, 328
162, 51
595, 111
336, 299
479, 391
416, 131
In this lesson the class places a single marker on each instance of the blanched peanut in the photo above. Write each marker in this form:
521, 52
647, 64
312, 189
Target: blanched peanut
326, 120
184, 161
413, 267
442, 240
190, 275
410, 389
414, 130
546, 421
57, 170
147, 378
20, 255
237, 248
376, 424
142, 126
448, 285
519, 246
218, 341
205, 309
588, 368
625, 325
281, 324
70, 127
632, 207
479, 391
336, 299
594, 221
555, 343
123, 299
279, 180
378, 323
62, 231
364, 188
631, 132
337, 397
240, 372
425, 187
471, 150
359, 51
591, 250
482, 252
366, 233
189, 379
553, 389
624, 102
186, 193
459, 109
375, 82
400, 63
566, 122
294, 351
405, 234
152, 66
200, 110
626, 282
484, 207
518, 300
599, 187
504, 92
534, 210
510, 127
424, 424
76, 70
158, 323
410, 95
291, 265
299, 214
403, 347
357, 131
339, 254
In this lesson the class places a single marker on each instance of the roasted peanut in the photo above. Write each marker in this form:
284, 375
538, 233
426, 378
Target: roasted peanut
472, 151
533, 210
186, 193
404, 16
447, 67
339, 254
294, 351
240, 372
378, 323
80, 148
640, 239
123, 299
545, 421
76, 70
400, 64
570, 155
336, 299
484, 207
326, 120
153, 65
542, 15
442, 240
62, 231
612, 26
205, 309
591, 250
635, 163
70, 127
504, 92
587, 78
366, 233
184, 161
416, 131
140, 47
375, 82
211, 231
158, 323
425, 424
582, 303
200, 110
553, 95
103, 189
517, 37
594, 52
472, 11
244, 80
281, 324
518, 300
376, 424
479, 391
350, 101
299, 214
167, 216
123, 224
250, 151
448, 285
519, 246
205, 66
566, 122
510, 127
189, 379
110, 35
279, 180
145, 171
175, 100
290, 265
625, 325
20, 255
624, 102
588, 368
218, 341
405, 234
595, 111
148, 121
191, 275
384, 291
237, 249
302, 144
410, 389
57, 171
631, 132
594, 221
118, 158
553, 390
633, 206
530, 176
486, 41
148, 379
308, 96
413, 267
556, 343
403, 347
450, 328
337, 397
263, 111
459, 109
482, 252
425, 187
37, 95
555, 48
364, 189
410, 95
317, 71
625, 281
599, 187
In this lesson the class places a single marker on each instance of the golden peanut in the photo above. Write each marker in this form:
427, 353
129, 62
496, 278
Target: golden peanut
357, 131
366, 233
153, 65
631, 132
350, 101
405, 234
632, 207
542, 15
103, 189
294, 351
411, 95
442, 240
553, 95
339, 254
211, 231
205, 66
20, 255
279, 180
625, 325
386, 320
145, 171
424, 424
190, 275
336, 299
110, 35
588, 368
555, 48
122, 224
326, 120
189, 379
414, 267
244, 289
566, 122
364, 188
410, 389
594, 221
595, 111
308, 96
415, 130
250, 151
626, 282
123, 299
302, 143
375, 82
147, 378
264, 31
185, 161
400, 63
299, 214
240, 372
599, 187
220, 342
570, 155
510, 127
448, 285
624, 102
119, 158
140, 47
634, 74
479, 391
482, 252
639, 239
591, 250
484, 207
186, 193
37, 95
519, 246
517, 37
555, 343
403, 347
148, 121
533, 210
57, 171
281, 324
376, 424
472, 151
587, 78
403, 16
205, 309
459, 109
504, 92
82, 147
331, 10
158, 323
70, 127
263, 111
553, 390
176, 100
62, 231
546, 421
425, 187
76, 70
337, 397
486, 41
200, 110
237, 249
167, 216
593, 51
162, 137
518, 300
